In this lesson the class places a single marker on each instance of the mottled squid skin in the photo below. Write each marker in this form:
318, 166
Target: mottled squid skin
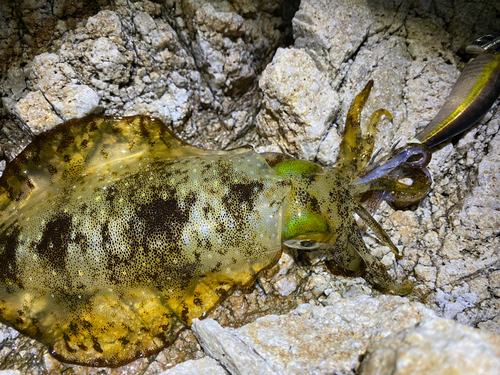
115, 234
120, 234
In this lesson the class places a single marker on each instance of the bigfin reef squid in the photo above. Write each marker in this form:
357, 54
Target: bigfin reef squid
115, 234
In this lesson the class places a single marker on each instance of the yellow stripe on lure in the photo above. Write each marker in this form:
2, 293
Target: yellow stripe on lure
471, 97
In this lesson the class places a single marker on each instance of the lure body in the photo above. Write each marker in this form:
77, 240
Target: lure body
115, 234
471, 97
475, 91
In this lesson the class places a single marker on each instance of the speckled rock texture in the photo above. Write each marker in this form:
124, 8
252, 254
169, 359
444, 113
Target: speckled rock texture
229, 350
435, 346
311, 339
201, 366
222, 74
194, 64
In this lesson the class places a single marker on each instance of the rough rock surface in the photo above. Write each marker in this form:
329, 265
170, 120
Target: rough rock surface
311, 339
229, 350
194, 64
197, 65
435, 346
201, 366
302, 103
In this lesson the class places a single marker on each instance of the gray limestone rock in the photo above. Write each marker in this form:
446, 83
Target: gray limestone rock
193, 64
311, 339
228, 349
202, 366
296, 95
434, 346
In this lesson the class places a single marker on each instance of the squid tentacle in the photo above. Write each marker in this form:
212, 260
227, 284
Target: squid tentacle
377, 269
377, 229
349, 260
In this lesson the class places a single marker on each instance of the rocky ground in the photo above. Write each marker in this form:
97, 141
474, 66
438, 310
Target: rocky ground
222, 74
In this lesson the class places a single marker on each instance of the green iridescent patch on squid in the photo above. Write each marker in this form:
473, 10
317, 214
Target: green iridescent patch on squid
307, 225
296, 167
115, 234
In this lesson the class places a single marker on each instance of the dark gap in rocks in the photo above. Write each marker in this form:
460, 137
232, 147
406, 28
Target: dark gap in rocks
288, 10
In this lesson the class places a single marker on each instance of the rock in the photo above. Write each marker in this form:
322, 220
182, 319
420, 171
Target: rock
475, 209
58, 97
145, 59
202, 366
106, 23
331, 34
492, 325
295, 93
109, 63
311, 339
434, 346
37, 112
222, 345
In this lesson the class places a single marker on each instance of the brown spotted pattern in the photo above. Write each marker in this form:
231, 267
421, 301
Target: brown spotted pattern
114, 235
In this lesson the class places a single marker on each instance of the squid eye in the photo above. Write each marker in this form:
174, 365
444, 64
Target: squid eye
309, 244
303, 244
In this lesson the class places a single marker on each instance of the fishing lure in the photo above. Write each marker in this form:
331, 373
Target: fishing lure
471, 97
475, 91
115, 234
